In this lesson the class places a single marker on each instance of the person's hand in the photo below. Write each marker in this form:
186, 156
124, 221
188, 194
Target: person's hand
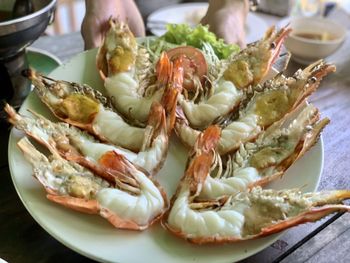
226, 18
95, 22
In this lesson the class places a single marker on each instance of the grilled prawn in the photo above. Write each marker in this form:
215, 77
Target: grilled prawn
258, 163
133, 204
87, 109
228, 86
246, 215
127, 72
74, 144
276, 98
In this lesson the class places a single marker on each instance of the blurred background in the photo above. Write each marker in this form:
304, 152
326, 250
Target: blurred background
68, 17
69, 13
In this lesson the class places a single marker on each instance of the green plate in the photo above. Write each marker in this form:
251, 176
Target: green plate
41, 60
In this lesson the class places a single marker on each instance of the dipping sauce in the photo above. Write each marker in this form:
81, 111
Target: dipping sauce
325, 36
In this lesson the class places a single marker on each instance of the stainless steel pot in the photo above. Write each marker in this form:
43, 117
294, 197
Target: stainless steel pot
15, 36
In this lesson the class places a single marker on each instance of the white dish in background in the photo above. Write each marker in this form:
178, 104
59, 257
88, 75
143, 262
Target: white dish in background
94, 237
191, 13
305, 50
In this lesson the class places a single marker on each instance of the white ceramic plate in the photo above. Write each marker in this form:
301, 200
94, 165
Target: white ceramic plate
191, 13
94, 237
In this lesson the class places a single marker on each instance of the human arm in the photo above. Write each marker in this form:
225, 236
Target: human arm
95, 22
226, 18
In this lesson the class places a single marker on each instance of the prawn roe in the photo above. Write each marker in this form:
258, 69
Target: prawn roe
80, 108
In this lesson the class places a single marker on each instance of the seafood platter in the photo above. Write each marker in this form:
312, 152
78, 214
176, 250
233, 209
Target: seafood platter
180, 147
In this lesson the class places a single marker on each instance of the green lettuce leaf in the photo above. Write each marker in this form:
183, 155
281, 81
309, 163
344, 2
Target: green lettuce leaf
182, 34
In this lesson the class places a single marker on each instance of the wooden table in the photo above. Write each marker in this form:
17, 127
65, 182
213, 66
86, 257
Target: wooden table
23, 240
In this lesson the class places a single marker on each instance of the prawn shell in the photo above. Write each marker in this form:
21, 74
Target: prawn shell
101, 63
78, 204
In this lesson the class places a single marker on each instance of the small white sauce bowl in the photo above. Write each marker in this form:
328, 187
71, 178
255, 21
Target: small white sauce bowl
306, 50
